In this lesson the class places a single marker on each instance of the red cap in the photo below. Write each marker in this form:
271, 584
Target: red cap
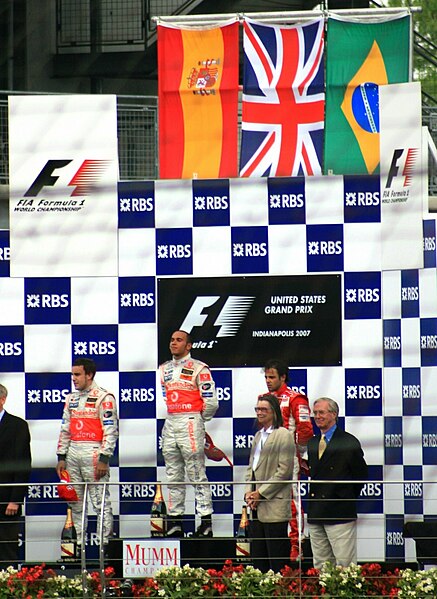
65, 491
214, 453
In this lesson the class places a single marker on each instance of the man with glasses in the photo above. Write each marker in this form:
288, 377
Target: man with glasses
268, 487
333, 455
295, 411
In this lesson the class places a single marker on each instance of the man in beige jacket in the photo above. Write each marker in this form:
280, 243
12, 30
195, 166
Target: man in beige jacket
269, 478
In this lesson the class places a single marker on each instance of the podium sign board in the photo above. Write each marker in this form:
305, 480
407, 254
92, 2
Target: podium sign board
143, 558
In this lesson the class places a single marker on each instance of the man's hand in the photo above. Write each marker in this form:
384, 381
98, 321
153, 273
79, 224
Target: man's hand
60, 467
304, 468
252, 499
101, 469
12, 509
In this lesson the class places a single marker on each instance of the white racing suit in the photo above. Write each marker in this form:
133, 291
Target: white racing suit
189, 392
89, 433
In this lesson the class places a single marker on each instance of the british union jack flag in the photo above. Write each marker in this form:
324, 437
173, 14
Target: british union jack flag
283, 100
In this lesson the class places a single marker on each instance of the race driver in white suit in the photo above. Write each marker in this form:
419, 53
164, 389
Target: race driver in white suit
189, 393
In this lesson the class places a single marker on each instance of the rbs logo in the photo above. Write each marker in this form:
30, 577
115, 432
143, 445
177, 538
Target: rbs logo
325, 248
136, 491
7, 348
363, 392
141, 395
220, 490
330, 247
223, 393
136, 204
410, 294
371, 490
286, 200
362, 198
46, 300
5, 253
137, 300
94, 348
254, 250
429, 244
174, 251
211, 202
362, 295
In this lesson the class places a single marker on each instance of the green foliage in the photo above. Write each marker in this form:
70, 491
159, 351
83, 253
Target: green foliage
425, 23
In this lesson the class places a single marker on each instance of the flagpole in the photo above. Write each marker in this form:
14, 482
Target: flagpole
285, 16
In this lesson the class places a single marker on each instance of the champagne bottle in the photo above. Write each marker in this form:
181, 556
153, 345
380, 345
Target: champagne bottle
158, 514
69, 538
242, 544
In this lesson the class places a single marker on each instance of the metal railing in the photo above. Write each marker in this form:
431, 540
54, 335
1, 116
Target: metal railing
137, 129
103, 25
137, 124
368, 523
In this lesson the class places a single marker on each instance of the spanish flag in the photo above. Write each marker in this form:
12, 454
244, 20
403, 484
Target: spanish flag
361, 56
198, 101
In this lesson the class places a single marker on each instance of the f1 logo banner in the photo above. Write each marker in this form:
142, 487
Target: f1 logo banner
242, 321
63, 186
401, 176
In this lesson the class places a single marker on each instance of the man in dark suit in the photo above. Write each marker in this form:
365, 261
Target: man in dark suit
15, 466
334, 455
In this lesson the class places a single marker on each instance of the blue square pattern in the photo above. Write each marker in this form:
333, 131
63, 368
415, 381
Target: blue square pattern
250, 250
325, 251
394, 538
411, 392
413, 489
429, 244
362, 199
48, 301
136, 204
137, 398
137, 299
174, 252
211, 202
11, 348
393, 440
362, 295
392, 343
286, 198
363, 391
428, 341
5, 254
254, 252
99, 342
410, 293
45, 394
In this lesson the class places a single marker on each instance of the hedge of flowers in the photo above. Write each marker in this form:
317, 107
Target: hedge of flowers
231, 582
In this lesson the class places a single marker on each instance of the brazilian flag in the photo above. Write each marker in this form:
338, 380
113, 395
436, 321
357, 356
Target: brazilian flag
360, 57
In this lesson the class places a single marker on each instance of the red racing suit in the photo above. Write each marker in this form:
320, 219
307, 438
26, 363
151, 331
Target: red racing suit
189, 393
89, 433
296, 414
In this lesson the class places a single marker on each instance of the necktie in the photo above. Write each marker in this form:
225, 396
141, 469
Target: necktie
322, 445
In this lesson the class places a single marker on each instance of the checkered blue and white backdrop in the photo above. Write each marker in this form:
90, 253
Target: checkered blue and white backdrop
258, 231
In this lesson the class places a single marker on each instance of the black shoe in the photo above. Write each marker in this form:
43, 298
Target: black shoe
175, 528
205, 528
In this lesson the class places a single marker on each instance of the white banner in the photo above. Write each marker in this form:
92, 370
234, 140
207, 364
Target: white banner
401, 176
142, 559
63, 185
